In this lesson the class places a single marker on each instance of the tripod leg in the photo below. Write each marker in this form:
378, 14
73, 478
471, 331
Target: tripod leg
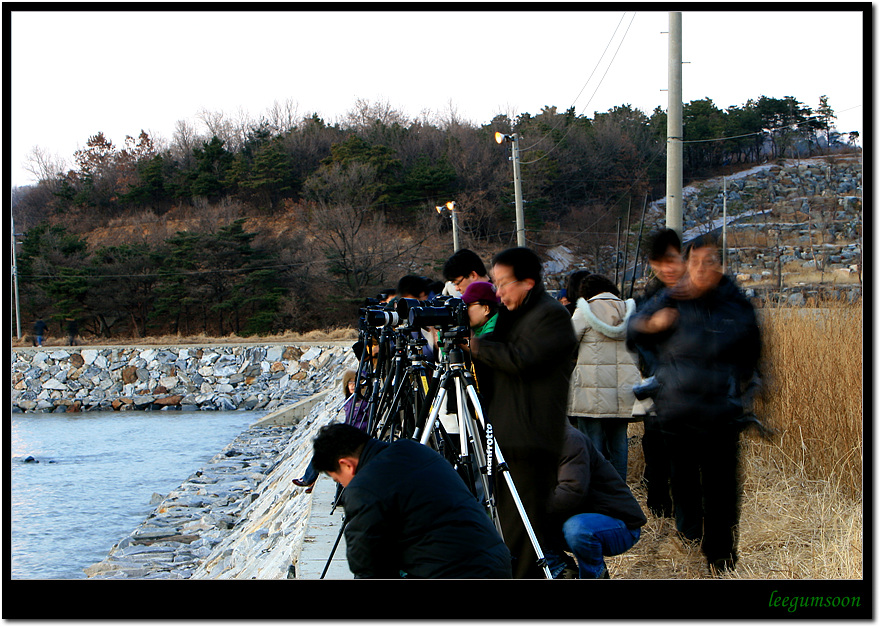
335, 545
502, 467
435, 411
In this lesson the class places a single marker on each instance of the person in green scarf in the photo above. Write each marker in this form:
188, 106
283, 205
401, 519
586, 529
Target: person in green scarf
482, 304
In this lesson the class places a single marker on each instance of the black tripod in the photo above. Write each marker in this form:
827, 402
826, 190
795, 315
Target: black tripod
471, 454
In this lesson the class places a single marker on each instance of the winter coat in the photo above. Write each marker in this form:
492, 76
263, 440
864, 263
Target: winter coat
530, 355
357, 412
408, 511
602, 381
705, 360
588, 483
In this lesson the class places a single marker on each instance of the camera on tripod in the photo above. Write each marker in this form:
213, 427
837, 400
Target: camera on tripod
443, 312
375, 314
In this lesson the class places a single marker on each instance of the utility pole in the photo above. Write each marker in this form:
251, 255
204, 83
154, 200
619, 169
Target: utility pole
517, 184
674, 132
15, 275
724, 230
517, 190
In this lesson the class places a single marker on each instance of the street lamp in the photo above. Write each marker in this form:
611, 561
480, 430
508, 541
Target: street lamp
517, 184
450, 209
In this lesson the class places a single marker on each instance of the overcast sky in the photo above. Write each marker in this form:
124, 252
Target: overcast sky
74, 74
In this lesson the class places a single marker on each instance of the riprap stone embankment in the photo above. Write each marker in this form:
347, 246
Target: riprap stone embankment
240, 516
216, 377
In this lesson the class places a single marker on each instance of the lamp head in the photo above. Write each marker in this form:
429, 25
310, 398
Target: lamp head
450, 206
501, 137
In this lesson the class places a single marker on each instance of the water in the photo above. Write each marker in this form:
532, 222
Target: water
97, 473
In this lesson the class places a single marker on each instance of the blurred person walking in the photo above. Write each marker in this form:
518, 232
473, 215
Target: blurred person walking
708, 353
667, 265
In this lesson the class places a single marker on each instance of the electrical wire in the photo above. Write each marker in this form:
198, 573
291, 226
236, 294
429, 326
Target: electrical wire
596, 67
570, 126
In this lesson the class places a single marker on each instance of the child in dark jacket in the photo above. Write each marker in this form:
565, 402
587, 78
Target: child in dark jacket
356, 415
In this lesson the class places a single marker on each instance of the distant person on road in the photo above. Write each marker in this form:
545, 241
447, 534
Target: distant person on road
72, 330
356, 414
40, 328
408, 514
708, 345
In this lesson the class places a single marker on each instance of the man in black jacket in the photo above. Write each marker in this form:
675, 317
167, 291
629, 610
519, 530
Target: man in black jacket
708, 353
408, 513
530, 356
594, 509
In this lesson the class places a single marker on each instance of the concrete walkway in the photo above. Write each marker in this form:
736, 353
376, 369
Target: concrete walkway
321, 534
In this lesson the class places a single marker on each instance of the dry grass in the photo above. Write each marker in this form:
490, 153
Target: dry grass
288, 337
802, 492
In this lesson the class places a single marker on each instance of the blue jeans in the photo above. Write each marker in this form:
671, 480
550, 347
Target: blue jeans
592, 537
608, 435
311, 474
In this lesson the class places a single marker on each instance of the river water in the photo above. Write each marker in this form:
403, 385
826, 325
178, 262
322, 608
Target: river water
96, 474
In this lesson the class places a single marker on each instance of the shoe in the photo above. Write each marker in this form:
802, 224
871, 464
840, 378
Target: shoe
661, 511
722, 565
605, 574
303, 484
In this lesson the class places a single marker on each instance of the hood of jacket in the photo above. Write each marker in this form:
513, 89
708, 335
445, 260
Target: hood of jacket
607, 314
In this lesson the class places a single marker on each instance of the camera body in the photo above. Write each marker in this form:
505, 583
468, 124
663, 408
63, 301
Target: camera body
374, 314
443, 312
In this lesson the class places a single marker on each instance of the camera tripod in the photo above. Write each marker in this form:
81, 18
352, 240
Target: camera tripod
471, 454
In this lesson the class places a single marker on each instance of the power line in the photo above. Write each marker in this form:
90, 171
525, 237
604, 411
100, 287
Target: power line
570, 126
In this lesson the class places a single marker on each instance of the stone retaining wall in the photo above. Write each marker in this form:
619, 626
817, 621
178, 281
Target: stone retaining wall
238, 517
191, 378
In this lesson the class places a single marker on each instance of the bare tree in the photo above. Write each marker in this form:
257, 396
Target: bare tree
282, 116
184, 140
353, 236
232, 131
365, 114
43, 166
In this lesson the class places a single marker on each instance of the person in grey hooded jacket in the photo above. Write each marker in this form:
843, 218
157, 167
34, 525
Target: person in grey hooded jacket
601, 398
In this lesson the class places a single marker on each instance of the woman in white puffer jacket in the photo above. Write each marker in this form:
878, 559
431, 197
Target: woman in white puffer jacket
601, 396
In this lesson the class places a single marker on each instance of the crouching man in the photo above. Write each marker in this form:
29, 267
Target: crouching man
594, 509
408, 513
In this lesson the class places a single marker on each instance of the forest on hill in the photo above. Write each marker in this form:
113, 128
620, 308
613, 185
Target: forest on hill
288, 223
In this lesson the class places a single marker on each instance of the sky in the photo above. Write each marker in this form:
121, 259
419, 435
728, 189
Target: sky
73, 74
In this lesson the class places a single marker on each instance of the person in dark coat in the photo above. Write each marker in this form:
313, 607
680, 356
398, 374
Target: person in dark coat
592, 507
407, 512
530, 356
40, 328
709, 353
667, 264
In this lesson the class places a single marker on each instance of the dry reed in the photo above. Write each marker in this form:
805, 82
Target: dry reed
802, 491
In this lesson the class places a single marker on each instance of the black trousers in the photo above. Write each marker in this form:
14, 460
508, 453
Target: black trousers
658, 468
706, 488
534, 476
